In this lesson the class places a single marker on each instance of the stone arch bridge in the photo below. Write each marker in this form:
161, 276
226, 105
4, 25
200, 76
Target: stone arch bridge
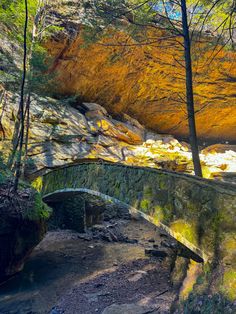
199, 213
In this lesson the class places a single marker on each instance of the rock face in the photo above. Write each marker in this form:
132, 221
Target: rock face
147, 82
18, 237
61, 134
22, 227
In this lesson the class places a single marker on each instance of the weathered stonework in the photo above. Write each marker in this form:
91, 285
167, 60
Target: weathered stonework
199, 213
68, 213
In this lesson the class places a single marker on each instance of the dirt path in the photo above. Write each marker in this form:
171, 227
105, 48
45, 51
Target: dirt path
68, 274
143, 284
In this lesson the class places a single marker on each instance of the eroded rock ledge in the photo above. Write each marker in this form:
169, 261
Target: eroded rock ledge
23, 219
61, 134
145, 81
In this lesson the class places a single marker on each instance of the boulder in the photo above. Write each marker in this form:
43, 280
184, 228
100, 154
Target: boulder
22, 226
127, 119
95, 108
218, 148
18, 237
119, 130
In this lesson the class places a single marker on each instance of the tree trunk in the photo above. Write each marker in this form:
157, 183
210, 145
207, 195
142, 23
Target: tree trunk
3, 102
21, 104
27, 125
189, 92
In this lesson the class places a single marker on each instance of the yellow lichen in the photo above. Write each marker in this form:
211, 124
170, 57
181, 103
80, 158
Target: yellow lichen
229, 284
38, 184
186, 230
158, 215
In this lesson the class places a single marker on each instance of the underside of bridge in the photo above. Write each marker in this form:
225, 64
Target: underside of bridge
78, 209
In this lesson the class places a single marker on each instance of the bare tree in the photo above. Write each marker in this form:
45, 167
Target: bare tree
189, 91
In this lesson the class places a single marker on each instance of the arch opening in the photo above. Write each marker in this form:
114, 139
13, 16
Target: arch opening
82, 208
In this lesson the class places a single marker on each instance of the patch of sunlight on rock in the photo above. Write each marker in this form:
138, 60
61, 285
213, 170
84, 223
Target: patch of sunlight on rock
158, 215
229, 284
185, 229
194, 270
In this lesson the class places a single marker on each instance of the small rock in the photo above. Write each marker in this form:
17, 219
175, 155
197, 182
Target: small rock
99, 285
165, 243
85, 236
132, 241
155, 252
163, 235
55, 311
137, 276
152, 240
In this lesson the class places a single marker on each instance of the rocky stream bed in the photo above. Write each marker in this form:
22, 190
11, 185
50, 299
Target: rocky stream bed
120, 266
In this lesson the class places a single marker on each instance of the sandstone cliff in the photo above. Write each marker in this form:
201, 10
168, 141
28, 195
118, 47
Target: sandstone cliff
61, 134
147, 82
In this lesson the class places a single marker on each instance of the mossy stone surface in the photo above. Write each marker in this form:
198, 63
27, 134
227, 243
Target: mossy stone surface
199, 212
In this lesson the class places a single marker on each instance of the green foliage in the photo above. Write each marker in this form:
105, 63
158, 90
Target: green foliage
4, 173
136, 16
12, 19
12, 15
34, 207
40, 80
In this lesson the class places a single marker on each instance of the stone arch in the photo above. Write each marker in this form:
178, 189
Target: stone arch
196, 212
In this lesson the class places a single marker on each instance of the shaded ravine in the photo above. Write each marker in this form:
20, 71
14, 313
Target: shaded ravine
63, 260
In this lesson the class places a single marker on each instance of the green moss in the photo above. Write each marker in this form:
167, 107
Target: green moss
187, 230
228, 287
145, 205
163, 183
39, 210
158, 214
38, 184
206, 304
167, 213
147, 192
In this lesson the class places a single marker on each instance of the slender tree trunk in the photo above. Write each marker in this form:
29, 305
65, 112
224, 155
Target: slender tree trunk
31, 71
3, 102
15, 139
27, 125
21, 104
189, 92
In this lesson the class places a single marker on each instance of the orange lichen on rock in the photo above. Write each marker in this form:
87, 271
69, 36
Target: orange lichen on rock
148, 82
